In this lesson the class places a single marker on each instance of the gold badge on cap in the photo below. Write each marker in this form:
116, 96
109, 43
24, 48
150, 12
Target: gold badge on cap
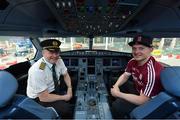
139, 38
55, 43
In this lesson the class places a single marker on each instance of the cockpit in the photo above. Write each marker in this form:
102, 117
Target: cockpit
94, 37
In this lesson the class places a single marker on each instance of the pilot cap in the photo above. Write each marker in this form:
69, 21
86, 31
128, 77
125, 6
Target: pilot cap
142, 39
51, 45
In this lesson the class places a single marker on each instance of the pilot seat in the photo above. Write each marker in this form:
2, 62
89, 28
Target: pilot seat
14, 106
166, 105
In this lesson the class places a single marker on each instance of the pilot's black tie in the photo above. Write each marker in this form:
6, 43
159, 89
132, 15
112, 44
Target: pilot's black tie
55, 78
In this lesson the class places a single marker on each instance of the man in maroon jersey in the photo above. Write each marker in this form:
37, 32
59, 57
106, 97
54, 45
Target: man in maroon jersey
145, 71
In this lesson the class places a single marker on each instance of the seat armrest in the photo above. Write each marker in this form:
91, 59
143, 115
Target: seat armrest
146, 109
54, 112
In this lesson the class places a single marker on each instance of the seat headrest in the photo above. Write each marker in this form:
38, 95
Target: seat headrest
8, 87
170, 78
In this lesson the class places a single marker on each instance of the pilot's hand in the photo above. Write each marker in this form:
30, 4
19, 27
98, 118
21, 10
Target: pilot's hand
67, 97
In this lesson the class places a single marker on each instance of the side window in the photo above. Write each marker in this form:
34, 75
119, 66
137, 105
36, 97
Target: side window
14, 50
167, 50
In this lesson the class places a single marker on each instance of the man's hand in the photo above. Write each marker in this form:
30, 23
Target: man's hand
67, 97
115, 91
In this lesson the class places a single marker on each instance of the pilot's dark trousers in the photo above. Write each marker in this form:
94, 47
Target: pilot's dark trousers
64, 109
120, 107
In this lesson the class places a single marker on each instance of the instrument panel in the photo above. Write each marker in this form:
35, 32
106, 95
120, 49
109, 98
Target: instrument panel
92, 69
97, 53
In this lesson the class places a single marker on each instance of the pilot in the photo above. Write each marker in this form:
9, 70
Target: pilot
145, 71
43, 79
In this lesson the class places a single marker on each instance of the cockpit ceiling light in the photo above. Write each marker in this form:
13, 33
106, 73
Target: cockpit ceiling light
57, 4
82, 17
117, 26
123, 17
63, 4
69, 4
110, 24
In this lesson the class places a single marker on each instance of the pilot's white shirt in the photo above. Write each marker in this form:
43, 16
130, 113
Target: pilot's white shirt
40, 80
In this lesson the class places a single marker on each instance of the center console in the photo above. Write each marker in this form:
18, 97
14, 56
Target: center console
94, 72
91, 92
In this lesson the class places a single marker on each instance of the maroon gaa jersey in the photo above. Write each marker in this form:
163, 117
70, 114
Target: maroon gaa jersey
146, 77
